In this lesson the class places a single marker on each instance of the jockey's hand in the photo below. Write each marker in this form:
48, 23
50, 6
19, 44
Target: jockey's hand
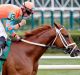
23, 22
18, 38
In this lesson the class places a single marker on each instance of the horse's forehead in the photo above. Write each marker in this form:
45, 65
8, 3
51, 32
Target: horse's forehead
64, 31
60, 27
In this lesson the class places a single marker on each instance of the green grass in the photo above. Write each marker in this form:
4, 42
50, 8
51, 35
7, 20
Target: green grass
74, 32
58, 72
60, 62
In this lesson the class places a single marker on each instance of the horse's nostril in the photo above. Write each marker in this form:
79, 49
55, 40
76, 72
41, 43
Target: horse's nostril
77, 51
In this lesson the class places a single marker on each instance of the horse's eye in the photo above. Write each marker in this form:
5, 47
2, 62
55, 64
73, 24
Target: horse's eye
66, 36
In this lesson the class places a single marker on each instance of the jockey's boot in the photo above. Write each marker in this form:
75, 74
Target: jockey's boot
2, 42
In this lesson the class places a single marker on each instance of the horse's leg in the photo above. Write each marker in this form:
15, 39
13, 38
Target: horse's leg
35, 69
9, 67
22, 70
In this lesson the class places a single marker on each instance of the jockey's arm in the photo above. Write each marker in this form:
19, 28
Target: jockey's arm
10, 27
11, 17
17, 26
11, 30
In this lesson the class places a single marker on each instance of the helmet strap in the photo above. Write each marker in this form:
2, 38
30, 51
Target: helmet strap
22, 11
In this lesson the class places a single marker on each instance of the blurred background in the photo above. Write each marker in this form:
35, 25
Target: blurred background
65, 12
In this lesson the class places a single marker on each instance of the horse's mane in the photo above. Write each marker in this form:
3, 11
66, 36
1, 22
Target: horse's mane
37, 30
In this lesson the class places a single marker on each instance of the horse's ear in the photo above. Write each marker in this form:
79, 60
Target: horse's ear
57, 25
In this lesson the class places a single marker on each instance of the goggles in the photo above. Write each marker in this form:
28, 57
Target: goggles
28, 11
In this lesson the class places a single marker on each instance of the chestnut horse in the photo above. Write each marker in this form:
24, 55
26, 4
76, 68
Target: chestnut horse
23, 57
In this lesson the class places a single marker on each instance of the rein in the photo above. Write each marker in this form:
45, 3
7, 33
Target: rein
58, 33
33, 43
38, 44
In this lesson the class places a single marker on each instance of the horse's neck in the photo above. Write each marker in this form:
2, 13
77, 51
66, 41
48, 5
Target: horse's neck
44, 38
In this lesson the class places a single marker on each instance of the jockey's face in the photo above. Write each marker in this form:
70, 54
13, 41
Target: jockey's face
27, 12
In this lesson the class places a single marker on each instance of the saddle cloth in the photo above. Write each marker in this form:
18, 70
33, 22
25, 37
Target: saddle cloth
5, 53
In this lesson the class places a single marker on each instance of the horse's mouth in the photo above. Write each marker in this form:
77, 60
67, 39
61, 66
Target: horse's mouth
73, 53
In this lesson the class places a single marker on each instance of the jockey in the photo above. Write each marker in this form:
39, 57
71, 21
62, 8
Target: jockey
12, 13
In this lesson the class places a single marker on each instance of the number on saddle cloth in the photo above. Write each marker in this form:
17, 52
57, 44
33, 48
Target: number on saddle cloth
5, 53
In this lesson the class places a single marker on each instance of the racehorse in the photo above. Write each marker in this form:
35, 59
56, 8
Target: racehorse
23, 57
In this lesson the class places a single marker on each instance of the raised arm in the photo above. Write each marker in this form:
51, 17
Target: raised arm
10, 27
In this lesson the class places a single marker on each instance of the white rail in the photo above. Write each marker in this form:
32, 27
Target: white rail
51, 67
75, 67
59, 57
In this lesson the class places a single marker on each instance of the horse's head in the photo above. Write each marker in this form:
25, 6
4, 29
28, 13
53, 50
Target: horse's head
64, 40
58, 36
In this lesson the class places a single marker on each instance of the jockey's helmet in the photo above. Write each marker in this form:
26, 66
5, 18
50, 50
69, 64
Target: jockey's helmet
28, 7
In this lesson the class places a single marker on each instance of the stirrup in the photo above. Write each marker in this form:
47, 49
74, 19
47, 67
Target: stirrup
0, 51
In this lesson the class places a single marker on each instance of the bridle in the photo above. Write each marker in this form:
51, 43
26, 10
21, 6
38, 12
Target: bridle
64, 42
58, 33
